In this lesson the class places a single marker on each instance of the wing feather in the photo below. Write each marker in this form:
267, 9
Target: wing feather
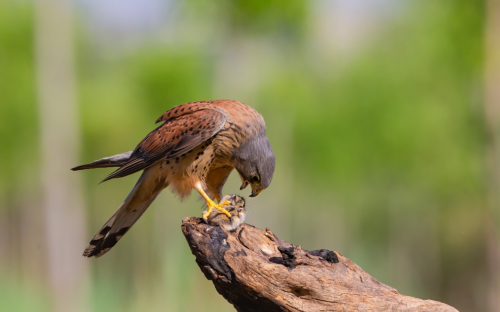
142, 195
112, 161
177, 136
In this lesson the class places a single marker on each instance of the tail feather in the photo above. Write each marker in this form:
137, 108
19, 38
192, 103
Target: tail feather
144, 193
112, 161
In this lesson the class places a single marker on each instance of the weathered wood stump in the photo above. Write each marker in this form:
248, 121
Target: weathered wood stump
255, 271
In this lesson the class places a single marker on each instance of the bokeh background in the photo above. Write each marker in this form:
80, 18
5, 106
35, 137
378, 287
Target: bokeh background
383, 115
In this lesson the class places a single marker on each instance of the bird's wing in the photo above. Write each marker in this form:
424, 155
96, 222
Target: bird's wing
189, 127
142, 195
112, 161
185, 109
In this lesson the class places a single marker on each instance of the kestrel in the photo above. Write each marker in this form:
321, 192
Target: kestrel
197, 146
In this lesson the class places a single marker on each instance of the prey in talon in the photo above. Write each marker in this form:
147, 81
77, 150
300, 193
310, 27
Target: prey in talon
236, 209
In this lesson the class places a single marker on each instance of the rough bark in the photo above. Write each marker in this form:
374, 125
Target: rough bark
255, 271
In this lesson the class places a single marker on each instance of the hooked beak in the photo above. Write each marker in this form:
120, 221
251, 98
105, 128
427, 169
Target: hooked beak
245, 183
255, 192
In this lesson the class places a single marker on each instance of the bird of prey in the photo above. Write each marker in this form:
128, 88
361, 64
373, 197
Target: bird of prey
236, 208
196, 147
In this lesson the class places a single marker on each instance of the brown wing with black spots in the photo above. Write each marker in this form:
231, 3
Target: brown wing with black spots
177, 136
185, 109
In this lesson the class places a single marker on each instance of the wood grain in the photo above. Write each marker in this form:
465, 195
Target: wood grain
256, 271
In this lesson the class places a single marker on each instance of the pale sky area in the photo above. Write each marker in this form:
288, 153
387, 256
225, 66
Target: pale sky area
340, 24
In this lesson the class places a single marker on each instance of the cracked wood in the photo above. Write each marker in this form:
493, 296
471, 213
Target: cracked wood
256, 271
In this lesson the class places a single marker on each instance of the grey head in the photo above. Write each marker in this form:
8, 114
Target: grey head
254, 160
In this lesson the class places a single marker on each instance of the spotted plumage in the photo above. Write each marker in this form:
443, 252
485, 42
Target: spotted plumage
197, 146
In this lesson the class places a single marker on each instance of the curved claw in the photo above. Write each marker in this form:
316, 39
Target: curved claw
211, 205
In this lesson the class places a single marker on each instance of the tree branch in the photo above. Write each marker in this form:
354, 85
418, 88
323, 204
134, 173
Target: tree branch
255, 271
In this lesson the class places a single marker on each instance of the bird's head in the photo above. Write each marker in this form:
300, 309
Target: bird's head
255, 161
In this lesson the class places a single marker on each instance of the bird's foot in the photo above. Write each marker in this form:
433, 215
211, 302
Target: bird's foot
211, 205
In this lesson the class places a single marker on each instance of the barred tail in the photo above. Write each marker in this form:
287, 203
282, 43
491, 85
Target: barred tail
143, 194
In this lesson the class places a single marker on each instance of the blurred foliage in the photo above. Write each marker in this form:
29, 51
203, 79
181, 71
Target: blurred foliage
263, 16
17, 97
380, 151
257, 17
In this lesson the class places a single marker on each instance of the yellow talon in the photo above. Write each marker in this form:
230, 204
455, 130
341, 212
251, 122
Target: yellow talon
211, 205
220, 207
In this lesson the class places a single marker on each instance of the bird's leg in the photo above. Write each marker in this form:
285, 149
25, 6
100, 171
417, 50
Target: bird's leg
211, 204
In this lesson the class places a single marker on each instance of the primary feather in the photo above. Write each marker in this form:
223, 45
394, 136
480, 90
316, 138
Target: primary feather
112, 161
139, 199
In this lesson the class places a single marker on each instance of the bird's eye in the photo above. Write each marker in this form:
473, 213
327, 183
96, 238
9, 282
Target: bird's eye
256, 179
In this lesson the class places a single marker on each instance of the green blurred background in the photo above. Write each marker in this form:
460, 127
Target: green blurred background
379, 113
